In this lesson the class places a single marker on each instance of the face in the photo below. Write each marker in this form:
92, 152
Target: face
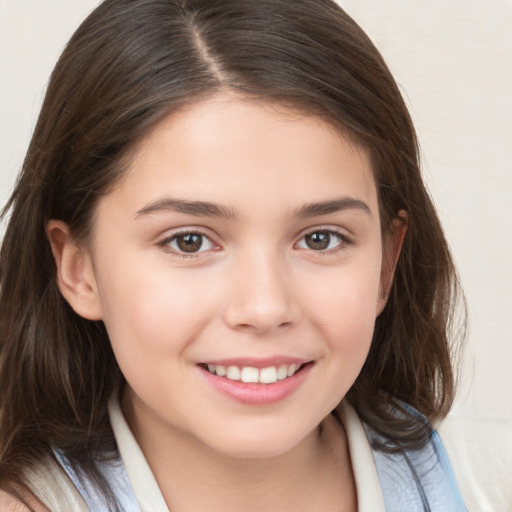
238, 270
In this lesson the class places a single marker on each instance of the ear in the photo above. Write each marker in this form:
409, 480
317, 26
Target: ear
392, 245
75, 272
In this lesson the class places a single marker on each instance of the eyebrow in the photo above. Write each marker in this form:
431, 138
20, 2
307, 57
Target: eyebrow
195, 208
331, 206
208, 209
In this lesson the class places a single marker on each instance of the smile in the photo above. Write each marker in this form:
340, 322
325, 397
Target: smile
250, 374
254, 382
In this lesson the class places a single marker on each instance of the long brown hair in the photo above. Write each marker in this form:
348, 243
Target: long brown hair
129, 64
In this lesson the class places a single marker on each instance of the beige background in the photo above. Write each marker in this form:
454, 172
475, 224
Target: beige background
453, 61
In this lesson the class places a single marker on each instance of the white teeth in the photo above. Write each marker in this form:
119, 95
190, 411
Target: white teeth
219, 370
233, 373
292, 369
282, 372
249, 374
268, 375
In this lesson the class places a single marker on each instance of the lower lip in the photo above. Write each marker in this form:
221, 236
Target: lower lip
254, 393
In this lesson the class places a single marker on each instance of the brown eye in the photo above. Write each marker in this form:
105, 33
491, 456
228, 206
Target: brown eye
190, 243
321, 240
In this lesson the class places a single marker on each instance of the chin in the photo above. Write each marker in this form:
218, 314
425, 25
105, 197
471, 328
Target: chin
266, 443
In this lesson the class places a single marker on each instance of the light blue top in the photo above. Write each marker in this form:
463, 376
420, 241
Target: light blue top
419, 480
410, 480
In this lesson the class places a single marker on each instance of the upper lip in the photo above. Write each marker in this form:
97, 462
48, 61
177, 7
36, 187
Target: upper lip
257, 362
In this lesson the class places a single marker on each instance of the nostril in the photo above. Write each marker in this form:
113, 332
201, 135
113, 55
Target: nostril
262, 303
262, 325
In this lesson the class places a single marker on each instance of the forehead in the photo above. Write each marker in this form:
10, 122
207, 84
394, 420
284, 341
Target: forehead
238, 150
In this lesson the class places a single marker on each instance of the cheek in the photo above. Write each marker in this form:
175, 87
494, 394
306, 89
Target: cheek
154, 311
347, 295
343, 307
342, 315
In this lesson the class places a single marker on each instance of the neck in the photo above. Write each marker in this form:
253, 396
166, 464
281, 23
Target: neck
314, 475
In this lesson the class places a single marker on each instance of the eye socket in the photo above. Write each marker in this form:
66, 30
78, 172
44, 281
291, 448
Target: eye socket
189, 243
321, 240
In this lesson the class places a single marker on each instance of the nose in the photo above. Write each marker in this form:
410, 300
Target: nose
261, 295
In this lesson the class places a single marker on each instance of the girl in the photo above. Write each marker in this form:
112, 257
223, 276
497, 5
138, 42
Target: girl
223, 283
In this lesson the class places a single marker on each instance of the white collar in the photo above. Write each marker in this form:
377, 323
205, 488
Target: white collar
143, 482
149, 496
369, 493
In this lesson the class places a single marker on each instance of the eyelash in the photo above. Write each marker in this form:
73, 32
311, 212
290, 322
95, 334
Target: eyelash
165, 243
342, 242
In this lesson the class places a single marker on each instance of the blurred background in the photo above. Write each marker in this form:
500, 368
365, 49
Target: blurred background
453, 63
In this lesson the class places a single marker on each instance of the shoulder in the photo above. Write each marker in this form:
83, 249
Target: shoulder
10, 503
480, 452
52, 486
413, 478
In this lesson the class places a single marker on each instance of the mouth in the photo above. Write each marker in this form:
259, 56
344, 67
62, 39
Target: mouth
253, 375
256, 382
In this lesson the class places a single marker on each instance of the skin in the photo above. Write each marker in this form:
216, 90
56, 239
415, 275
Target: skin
9, 503
257, 287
